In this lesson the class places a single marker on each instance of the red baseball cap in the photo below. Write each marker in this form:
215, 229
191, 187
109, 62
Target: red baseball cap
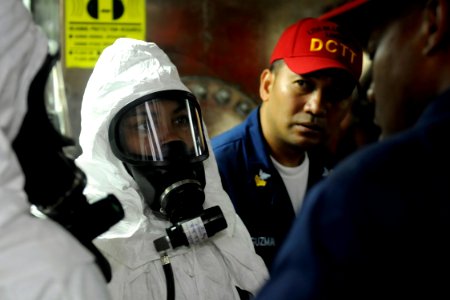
313, 44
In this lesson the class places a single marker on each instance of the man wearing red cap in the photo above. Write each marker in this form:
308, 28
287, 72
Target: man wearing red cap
268, 162
378, 227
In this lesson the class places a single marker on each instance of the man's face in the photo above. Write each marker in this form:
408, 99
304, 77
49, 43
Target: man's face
394, 48
303, 110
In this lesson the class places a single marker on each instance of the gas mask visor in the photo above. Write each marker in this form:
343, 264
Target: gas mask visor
159, 129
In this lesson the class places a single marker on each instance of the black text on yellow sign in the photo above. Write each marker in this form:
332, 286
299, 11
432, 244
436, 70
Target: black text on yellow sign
92, 25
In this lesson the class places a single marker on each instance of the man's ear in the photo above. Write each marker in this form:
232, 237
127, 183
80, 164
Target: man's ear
265, 84
436, 25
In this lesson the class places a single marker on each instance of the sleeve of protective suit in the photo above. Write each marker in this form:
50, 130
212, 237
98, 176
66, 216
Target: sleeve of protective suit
236, 244
40, 260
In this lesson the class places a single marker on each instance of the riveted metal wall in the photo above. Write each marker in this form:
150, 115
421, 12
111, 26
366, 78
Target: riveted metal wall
219, 46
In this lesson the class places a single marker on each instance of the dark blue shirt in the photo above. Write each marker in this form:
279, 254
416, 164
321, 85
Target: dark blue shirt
255, 186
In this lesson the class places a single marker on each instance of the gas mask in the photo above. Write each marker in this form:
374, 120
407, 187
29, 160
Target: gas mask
53, 183
159, 138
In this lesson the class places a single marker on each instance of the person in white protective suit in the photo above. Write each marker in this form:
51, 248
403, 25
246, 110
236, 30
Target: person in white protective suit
141, 132
38, 258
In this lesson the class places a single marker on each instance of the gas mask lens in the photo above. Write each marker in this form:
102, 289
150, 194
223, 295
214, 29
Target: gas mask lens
159, 128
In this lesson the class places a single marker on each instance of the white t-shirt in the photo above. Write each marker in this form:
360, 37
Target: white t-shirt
295, 179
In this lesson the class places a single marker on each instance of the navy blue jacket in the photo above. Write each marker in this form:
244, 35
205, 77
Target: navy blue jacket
262, 203
379, 226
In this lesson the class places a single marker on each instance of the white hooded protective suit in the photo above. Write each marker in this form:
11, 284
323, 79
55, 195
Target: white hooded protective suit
38, 258
126, 71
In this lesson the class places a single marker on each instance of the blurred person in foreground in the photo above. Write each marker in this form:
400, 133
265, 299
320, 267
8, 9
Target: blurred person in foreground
358, 128
38, 258
143, 140
269, 162
378, 227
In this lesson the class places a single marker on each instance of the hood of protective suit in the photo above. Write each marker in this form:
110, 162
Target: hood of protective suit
23, 49
125, 71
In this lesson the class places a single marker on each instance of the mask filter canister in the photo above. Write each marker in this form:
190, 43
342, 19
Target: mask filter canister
193, 231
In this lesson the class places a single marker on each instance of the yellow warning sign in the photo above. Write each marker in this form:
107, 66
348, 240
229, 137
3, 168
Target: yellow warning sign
92, 25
